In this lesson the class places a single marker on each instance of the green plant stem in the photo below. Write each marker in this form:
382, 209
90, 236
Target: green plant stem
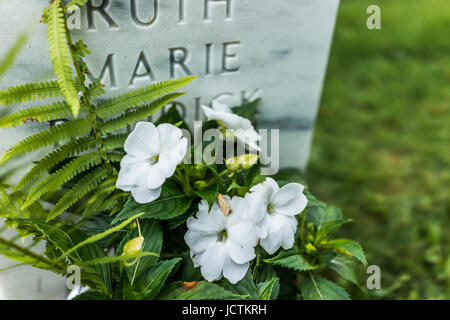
91, 110
32, 254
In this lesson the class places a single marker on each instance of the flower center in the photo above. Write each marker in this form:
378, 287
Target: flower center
270, 209
154, 159
222, 235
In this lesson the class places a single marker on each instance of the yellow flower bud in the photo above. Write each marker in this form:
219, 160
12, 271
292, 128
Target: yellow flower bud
133, 246
245, 161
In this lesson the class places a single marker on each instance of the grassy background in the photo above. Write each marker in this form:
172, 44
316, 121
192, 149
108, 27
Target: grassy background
381, 149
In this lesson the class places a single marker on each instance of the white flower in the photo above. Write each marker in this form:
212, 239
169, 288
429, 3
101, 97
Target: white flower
153, 154
273, 211
241, 127
222, 245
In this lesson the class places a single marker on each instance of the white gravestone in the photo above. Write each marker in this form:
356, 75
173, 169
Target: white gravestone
237, 47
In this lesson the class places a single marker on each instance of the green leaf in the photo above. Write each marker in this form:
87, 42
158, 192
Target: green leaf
247, 110
99, 236
318, 288
209, 194
268, 290
202, 291
113, 259
345, 268
153, 237
348, 247
292, 260
92, 295
245, 288
59, 54
140, 96
172, 203
154, 278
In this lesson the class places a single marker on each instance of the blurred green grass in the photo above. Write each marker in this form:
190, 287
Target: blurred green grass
381, 149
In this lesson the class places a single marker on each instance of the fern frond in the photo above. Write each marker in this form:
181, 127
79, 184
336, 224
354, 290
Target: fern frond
96, 88
131, 117
72, 3
61, 132
63, 175
140, 96
13, 52
7, 207
115, 141
57, 110
70, 149
83, 187
28, 92
94, 203
59, 54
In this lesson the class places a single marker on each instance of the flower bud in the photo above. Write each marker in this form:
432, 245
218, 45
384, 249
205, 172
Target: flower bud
310, 248
245, 161
133, 246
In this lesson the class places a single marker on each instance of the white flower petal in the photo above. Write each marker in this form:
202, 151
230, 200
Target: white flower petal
131, 175
240, 253
208, 222
262, 228
220, 106
234, 272
155, 177
199, 241
280, 230
143, 141
212, 261
242, 234
289, 200
171, 157
257, 206
142, 194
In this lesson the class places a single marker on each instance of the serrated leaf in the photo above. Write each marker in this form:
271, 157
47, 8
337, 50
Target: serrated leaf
317, 288
268, 290
92, 295
292, 260
172, 203
201, 291
345, 268
349, 247
209, 194
245, 288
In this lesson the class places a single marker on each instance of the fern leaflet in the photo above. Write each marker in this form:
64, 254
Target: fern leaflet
59, 54
140, 96
134, 116
53, 158
57, 110
84, 186
66, 130
61, 176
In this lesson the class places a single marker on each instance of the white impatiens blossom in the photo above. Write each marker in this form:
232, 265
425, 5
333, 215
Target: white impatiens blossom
273, 210
153, 154
240, 127
222, 245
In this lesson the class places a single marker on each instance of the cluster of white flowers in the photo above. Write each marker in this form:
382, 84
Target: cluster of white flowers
238, 127
224, 245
